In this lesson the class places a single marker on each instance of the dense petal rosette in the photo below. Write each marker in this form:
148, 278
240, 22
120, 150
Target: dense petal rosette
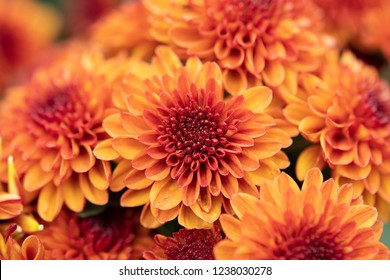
119, 30
186, 244
345, 111
114, 234
184, 150
252, 41
319, 222
50, 125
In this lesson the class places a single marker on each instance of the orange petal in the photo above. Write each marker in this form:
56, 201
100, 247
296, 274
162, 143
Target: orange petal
127, 148
10, 206
187, 218
50, 202
104, 150
225, 250
35, 178
243, 203
113, 126
134, 125
158, 171
136, 104
33, 249
229, 186
231, 227
363, 215
354, 172
165, 194
204, 175
73, 196
213, 212
257, 98
233, 165
164, 216
157, 152
234, 60
100, 175
147, 219
136, 179
312, 127
210, 70
119, 174
183, 35
265, 149
84, 160
94, 195
248, 160
313, 178
190, 193
134, 198
234, 81
309, 158
273, 73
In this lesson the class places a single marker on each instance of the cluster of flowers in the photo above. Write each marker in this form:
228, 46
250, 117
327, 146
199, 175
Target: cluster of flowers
248, 126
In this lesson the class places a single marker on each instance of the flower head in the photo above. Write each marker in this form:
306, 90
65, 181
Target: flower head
321, 221
26, 27
186, 244
114, 234
345, 111
184, 149
50, 125
31, 248
119, 30
250, 40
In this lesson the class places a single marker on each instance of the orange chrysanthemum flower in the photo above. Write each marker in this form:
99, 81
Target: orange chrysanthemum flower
345, 112
31, 248
185, 150
51, 124
376, 34
319, 222
186, 244
251, 40
26, 27
120, 29
114, 234
344, 19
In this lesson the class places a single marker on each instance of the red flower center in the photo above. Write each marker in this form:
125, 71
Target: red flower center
10, 45
60, 111
193, 244
310, 244
192, 134
105, 233
374, 109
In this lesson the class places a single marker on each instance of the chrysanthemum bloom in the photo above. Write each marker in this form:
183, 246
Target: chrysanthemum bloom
26, 27
319, 222
186, 244
51, 124
345, 112
250, 40
80, 14
184, 149
375, 34
31, 248
119, 30
114, 234
344, 19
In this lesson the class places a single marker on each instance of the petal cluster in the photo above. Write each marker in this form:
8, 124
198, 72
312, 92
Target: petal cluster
319, 221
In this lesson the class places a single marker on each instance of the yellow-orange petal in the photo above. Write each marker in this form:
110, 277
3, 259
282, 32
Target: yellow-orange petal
135, 179
309, 158
230, 226
243, 203
274, 73
84, 160
32, 248
73, 196
104, 151
50, 202
127, 148
134, 198
35, 178
113, 126
94, 195
10, 206
257, 98
147, 219
189, 219
165, 194
234, 80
